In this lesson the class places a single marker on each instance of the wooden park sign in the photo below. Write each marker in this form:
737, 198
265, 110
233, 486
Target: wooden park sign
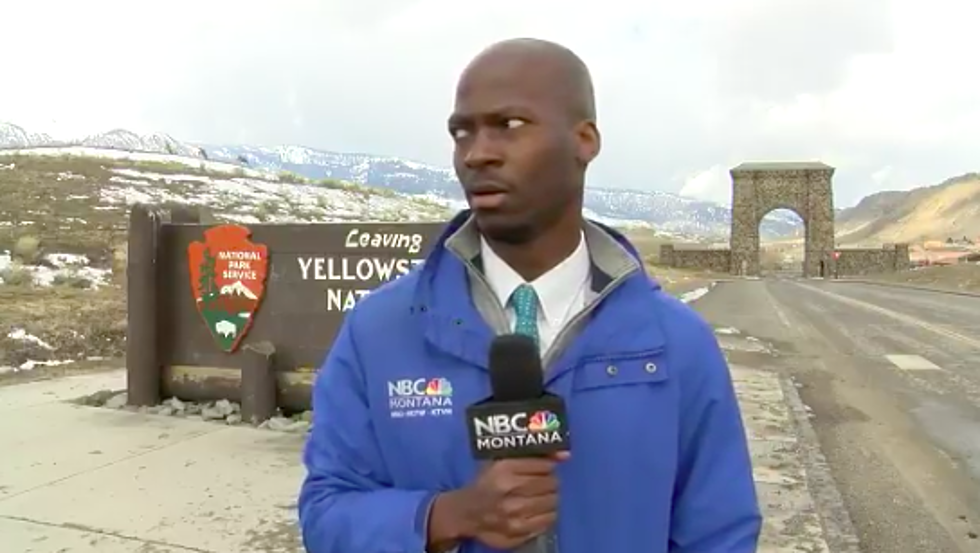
208, 302
228, 273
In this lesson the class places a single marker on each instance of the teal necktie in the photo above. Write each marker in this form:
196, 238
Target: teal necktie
524, 300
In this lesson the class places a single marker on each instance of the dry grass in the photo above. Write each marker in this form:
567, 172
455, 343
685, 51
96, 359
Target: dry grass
962, 277
52, 204
55, 200
674, 281
647, 242
78, 324
58, 200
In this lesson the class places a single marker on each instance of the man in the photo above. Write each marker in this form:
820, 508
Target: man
659, 460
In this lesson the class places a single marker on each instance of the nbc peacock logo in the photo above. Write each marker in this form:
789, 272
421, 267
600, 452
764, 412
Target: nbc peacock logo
419, 397
543, 421
439, 387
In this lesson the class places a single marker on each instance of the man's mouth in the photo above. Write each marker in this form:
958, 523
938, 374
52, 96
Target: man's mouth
487, 187
487, 200
487, 196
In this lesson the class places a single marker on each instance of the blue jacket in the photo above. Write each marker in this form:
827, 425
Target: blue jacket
659, 456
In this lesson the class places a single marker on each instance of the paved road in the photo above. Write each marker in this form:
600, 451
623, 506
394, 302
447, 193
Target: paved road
892, 377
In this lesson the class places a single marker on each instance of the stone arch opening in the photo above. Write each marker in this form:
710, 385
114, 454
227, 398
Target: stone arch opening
804, 188
782, 234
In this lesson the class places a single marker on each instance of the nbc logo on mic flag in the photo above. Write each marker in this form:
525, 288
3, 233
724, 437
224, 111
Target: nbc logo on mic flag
543, 421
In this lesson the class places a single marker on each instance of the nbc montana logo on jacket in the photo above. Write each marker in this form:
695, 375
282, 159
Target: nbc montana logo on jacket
420, 397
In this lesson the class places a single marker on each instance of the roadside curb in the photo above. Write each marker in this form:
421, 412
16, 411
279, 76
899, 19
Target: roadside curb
838, 529
908, 286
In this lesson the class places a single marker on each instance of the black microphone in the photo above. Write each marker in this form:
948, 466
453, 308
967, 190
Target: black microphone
519, 419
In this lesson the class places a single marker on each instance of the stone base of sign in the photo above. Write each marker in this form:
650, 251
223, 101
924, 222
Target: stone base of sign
203, 384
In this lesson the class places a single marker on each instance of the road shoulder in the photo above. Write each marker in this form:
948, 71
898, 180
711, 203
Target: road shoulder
802, 509
889, 284
958, 279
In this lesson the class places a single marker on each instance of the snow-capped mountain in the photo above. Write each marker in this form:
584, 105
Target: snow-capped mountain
121, 139
664, 211
238, 289
12, 136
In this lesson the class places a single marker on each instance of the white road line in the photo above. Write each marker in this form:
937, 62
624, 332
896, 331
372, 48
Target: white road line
912, 362
775, 307
936, 329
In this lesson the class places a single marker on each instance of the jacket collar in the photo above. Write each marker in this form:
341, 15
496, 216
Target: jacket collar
453, 323
611, 252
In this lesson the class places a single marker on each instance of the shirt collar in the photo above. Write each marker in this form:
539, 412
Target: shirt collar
555, 289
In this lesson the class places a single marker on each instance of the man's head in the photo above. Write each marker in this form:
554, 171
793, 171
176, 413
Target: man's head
524, 131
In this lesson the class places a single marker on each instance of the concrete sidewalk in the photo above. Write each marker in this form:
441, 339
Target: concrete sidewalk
802, 509
81, 479
792, 518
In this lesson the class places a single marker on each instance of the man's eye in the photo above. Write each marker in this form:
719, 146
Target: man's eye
459, 133
514, 123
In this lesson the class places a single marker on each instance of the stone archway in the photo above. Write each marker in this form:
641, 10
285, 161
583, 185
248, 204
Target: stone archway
806, 188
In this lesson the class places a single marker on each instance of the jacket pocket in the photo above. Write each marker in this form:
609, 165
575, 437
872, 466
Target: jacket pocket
615, 401
623, 426
637, 369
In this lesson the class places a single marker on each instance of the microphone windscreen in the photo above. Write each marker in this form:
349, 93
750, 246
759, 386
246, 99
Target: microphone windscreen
515, 368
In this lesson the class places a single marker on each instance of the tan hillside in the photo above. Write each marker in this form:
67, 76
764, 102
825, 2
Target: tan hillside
947, 210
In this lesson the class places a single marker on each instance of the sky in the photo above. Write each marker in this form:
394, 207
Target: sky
886, 91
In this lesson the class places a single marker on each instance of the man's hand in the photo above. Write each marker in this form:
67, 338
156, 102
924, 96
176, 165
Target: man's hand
511, 502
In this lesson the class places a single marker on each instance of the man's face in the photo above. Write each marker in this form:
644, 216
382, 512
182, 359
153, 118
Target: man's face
516, 150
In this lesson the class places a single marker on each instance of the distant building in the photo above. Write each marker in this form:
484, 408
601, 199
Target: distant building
946, 254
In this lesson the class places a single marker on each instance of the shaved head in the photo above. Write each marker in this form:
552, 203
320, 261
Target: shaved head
524, 132
566, 72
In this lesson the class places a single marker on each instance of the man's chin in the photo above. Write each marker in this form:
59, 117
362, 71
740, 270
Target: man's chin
499, 227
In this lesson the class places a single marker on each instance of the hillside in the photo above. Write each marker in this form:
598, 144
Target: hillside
950, 209
666, 212
77, 199
63, 224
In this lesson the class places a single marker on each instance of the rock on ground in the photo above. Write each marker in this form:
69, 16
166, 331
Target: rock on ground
221, 411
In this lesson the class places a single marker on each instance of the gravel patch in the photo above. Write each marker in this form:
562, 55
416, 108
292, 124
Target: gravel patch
219, 412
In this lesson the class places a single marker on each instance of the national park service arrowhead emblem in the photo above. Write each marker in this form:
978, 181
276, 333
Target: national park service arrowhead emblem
228, 274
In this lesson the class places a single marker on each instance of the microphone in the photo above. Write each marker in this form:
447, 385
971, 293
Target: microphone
519, 419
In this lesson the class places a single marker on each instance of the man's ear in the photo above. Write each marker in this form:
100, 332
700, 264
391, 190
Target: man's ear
589, 141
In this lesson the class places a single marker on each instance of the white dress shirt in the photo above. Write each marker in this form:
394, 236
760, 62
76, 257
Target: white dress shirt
561, 291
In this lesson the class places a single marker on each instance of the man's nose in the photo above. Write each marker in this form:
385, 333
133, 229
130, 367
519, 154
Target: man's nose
484, 150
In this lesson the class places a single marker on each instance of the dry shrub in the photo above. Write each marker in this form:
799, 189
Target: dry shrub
27, 249
16, 275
